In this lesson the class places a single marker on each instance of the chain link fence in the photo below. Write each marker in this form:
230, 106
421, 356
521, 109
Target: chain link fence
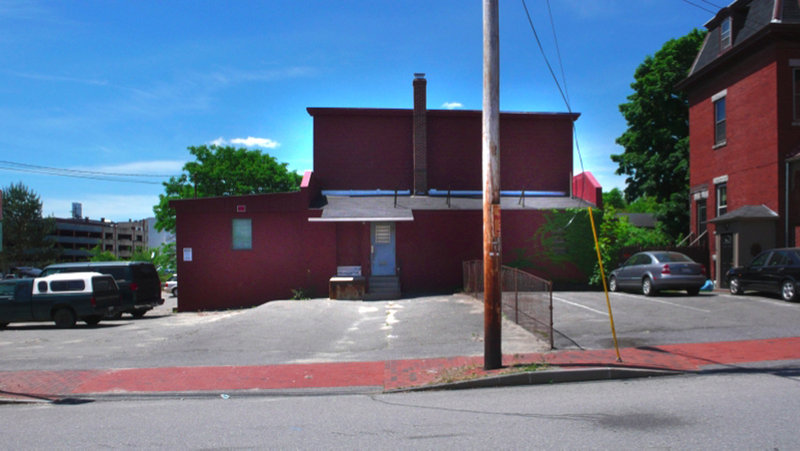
527, 299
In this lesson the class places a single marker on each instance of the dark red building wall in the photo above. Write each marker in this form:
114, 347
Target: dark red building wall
431, 248
372, 149
354, 150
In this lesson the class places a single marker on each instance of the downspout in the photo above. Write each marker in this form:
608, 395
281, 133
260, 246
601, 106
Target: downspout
786, 206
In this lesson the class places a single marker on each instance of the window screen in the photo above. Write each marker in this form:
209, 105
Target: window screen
242, 234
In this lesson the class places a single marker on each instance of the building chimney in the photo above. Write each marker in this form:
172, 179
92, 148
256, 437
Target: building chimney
420, 135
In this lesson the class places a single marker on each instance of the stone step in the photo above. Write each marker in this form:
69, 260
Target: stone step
383, 288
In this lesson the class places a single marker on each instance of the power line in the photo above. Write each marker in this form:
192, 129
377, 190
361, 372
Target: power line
83, 174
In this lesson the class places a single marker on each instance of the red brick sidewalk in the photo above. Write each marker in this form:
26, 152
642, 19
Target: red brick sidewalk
381, 375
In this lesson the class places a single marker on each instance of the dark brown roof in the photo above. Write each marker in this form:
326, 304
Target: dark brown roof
752, 20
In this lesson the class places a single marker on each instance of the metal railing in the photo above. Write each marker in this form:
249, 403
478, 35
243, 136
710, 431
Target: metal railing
527, 299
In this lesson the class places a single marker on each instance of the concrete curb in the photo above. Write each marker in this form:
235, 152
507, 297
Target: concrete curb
556, 376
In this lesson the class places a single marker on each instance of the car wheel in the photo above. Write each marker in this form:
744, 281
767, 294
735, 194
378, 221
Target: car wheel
138, 313
175, 292
735, 286
647, 287
64, 318
92, 320
788, 291
612, 284
693, 291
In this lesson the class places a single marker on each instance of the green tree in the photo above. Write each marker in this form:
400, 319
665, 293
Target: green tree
97, 254
26, 240
656, 143
223, 171
614, 198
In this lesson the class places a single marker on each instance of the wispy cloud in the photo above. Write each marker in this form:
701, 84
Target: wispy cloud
250, 141
142, 167
58, 78
452, 105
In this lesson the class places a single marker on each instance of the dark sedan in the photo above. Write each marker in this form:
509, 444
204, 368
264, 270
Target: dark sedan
773, 271
652, 271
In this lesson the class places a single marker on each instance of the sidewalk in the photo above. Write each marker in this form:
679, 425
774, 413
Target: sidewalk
383, 376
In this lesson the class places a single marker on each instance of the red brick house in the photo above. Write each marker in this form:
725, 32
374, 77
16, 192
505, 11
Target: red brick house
744, 121
394, 197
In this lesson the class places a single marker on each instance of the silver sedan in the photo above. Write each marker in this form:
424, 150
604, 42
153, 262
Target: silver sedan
652, 271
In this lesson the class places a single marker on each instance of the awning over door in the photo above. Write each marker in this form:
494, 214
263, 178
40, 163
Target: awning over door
363, 209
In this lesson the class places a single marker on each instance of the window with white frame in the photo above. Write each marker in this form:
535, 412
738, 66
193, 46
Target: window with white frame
242, 234
722, 199
725, 34
720, 134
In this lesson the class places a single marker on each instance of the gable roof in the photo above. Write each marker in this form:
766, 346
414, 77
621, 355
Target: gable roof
752, 20
747, 213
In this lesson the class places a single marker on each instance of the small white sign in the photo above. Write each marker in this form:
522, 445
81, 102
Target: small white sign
187, 254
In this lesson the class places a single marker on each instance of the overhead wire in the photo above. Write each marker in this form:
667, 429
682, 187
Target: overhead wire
83, 174
562, 91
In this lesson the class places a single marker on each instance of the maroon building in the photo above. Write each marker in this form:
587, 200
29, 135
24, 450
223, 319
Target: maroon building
395, 197
744, 121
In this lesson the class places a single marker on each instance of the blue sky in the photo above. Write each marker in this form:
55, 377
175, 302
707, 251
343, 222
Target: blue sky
124, 87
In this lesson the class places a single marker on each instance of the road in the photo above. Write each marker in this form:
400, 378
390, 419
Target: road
740, 410
583, 321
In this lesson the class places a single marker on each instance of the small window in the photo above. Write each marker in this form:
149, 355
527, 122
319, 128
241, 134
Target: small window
796, 90
242, 234
725, 34
722, 199
702, 226
720, 135
383, 234
42, 287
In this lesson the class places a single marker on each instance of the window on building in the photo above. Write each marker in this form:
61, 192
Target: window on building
796, 90
701, 217
242, 234
722, 199
719, 122
725, 34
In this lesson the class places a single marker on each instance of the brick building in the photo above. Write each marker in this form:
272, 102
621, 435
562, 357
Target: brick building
395, 196
744, 121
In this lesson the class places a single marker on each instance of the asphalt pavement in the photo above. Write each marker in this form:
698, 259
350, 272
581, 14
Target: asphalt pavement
372, 347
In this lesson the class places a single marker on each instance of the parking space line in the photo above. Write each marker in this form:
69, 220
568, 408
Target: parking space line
579, 305
660, 301
753, 297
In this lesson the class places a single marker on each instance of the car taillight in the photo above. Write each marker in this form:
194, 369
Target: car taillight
665, 270
134, 286
94, 302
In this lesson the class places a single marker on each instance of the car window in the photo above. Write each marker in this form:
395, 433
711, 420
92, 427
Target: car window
7, 290
778, 258
103, 284
795, 255
677, 257
644, 259
760, 260
42, 287
630, 261
67, 285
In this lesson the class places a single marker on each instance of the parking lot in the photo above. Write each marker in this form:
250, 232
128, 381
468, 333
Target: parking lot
285, 332
583, 321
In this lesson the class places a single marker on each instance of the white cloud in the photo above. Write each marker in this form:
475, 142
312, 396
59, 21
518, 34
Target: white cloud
250, 141
160, 167
452, 105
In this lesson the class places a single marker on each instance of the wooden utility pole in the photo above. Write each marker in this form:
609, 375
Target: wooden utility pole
492, 289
